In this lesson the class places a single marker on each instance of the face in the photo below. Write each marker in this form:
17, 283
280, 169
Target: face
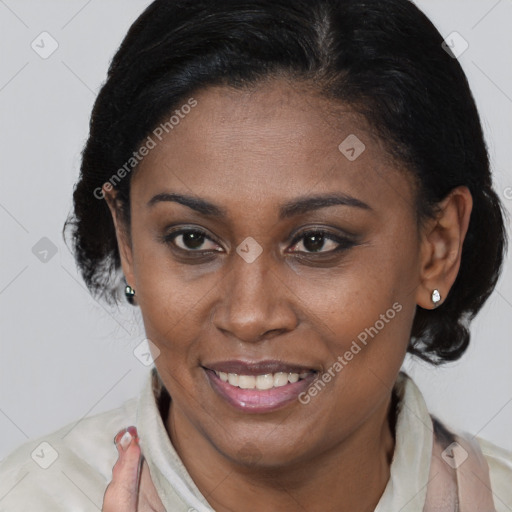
260, 249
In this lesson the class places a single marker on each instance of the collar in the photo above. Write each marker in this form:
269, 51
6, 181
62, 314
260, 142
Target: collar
174, 485
414, 436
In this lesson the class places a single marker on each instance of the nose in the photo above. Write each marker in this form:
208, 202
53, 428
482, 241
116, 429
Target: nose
256, 303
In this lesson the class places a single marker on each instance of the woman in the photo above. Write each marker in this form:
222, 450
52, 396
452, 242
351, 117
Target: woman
296, 194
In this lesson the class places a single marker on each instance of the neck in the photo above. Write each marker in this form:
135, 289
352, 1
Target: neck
349, 476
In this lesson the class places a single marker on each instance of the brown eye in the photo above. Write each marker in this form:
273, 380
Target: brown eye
320, 242
192, 241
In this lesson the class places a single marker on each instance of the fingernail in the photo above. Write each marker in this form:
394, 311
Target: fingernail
125, 437
126, 440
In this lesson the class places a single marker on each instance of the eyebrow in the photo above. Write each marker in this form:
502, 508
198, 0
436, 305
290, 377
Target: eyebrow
195, 203
292, 208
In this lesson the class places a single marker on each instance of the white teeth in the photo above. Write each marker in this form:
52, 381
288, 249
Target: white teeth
294, 377
265, 381
261, 382
246, 381
280, 379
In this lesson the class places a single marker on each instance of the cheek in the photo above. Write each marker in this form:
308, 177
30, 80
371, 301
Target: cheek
366, 330
366, 308
164, 287
167, 302
365, 285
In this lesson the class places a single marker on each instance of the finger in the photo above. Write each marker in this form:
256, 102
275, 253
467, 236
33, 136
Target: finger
122, 492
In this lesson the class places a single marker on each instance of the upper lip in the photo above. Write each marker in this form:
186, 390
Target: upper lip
257, 368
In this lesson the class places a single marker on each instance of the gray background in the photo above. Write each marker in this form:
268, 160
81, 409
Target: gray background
63, 355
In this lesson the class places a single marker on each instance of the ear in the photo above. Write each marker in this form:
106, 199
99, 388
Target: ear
441, 246
123, 239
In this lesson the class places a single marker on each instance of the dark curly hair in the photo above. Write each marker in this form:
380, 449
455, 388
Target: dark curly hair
383, 58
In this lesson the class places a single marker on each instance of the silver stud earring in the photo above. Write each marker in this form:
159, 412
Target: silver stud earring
436, 297
129, 293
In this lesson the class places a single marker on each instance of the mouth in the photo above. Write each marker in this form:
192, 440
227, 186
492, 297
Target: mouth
263, 381
259, 387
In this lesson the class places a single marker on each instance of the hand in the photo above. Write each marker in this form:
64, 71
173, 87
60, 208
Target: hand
131, 488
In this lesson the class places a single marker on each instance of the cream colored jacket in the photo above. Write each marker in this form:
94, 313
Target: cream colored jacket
68, 470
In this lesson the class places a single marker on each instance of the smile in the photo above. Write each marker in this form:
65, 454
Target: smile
261, 387
261, 382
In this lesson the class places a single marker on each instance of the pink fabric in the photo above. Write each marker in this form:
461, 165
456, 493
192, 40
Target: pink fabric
459, 476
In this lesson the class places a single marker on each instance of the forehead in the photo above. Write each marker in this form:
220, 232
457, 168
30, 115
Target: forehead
269, 143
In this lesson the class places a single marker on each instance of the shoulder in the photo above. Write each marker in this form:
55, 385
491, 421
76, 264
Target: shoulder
68, 469
499, 460
500, 471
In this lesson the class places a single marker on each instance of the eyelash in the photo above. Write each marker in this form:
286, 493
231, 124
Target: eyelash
343, 242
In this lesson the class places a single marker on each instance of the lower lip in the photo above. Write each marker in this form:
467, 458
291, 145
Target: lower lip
258, 401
